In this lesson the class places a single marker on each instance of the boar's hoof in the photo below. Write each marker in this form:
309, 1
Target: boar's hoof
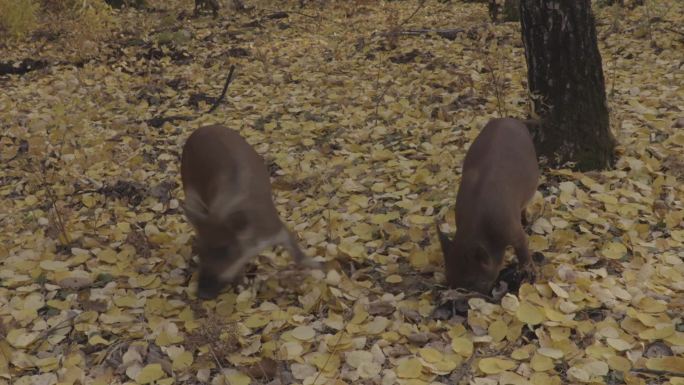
208, 288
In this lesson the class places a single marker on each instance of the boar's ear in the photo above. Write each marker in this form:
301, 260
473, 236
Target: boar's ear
444, 240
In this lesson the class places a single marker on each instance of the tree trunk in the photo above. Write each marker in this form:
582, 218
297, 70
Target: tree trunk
511, 10
566, 82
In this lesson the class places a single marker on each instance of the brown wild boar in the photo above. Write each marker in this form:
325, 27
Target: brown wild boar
229, 203
499, 178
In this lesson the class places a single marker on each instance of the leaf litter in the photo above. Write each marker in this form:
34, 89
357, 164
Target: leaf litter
364, 135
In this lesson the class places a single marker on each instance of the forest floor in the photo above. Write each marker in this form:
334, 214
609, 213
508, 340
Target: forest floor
364, 133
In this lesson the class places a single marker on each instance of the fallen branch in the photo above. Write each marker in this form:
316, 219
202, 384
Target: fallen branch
159, 121
449, 33
271, 16
225, 88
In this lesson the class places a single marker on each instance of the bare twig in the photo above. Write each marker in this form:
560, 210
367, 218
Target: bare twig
674, 30
377, 102
211, 348
463, 370
497, 87
334, 350
53, 202
225, 88
613, 75
415, 11
649, 24
62, 324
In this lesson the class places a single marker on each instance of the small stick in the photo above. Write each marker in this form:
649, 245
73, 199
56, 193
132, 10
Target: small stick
414, 32
225, 88
669, 373
334, 350
211, 346
674, 31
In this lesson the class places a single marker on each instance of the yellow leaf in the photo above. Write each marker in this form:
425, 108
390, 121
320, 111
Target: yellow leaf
494, 365
529, 314
256, 321
357, 357
352, 249
498, 330
462, 346
394, 278
446, 365
149, 373
511, 378
108, 256
559, 291
168, 337
420, 219
182, 361
578, 374
613, 250
651, 305
618, 344
89, 201
363, 231
51, 265
379, 219
238, 379
129, 300
410, 368
291, 350
369, 369
419, 259
541, 363
326, 362
596, 368
303, 333
670, 364
660, 332
75, 279
97, 340
520, 354
456, 331
544, 379
47, 364
619, 363
377, 325
538, 243
551, 353
431, 354
21, 338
